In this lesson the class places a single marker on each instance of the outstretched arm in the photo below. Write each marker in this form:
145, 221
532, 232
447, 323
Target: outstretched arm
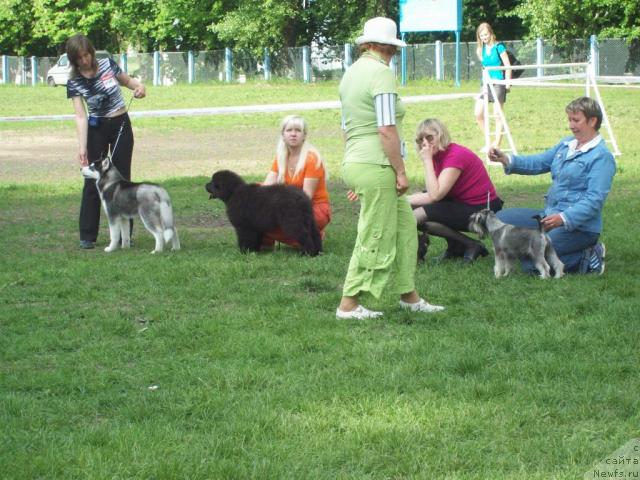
139, 90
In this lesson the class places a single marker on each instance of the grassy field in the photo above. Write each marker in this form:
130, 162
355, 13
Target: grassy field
206, 363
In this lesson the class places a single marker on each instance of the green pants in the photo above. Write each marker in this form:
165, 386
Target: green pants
384, 256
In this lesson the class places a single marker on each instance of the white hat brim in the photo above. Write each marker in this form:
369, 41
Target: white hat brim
385, 41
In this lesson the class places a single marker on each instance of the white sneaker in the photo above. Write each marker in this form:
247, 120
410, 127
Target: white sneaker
421, 306
359, 313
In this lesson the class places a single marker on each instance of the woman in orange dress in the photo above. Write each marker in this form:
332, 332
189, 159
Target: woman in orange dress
299, 164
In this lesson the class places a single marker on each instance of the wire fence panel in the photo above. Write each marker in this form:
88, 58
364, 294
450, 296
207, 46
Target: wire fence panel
209, 66
174, 68
617, 58
287, 64
246, 65
327, 63
43, 66
421, 61
140, 65
576, 51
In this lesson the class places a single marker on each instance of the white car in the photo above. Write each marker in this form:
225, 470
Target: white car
59, 73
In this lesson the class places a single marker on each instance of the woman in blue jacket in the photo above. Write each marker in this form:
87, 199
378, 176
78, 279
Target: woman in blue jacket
582, 170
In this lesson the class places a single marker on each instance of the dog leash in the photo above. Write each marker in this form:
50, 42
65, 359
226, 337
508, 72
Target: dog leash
124, 120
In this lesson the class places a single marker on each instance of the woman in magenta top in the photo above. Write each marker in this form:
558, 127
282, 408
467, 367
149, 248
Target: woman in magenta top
457, 185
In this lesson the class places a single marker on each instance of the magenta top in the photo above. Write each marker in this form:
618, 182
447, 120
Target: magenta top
473, 183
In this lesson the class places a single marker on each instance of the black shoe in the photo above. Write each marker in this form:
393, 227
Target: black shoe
87, 244
471, 253
454, 250
449, 254
423, 246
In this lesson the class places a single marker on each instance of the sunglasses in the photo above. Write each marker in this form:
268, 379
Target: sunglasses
421, 138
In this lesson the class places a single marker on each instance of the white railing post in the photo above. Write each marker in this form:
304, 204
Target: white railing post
124, 63
156, 68
540, 57
306, 64
190, 67
267, 64
34, 71
348, 59
228, 65
5, 69
439, 61
594, 59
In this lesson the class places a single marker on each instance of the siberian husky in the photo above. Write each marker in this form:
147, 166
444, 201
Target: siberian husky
123, 200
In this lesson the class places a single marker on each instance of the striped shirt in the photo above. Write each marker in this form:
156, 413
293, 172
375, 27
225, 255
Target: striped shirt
101, 93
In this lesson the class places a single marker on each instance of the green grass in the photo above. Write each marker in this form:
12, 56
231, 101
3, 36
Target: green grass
518, 378
52, 101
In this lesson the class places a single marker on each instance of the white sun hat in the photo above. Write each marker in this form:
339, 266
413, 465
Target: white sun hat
380, 30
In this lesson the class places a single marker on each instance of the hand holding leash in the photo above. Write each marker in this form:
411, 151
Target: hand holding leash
140, 91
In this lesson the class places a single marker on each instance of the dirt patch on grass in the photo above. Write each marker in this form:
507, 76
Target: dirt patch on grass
43, 156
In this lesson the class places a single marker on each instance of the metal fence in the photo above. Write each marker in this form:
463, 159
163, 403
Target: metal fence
311, 64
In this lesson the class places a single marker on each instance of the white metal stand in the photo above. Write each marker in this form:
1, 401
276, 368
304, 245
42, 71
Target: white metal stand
548, 81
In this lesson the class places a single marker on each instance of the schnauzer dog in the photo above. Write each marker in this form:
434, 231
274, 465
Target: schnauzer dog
511, 243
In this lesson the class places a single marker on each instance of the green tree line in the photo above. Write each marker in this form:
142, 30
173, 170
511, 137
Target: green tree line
40, 27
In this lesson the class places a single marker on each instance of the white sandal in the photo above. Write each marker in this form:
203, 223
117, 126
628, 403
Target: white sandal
358, 313
421, 306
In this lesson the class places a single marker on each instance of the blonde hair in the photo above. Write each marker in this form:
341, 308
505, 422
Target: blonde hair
282, 151
444, 137
492, 38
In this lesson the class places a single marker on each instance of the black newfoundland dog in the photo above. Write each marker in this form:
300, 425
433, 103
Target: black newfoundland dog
254, 210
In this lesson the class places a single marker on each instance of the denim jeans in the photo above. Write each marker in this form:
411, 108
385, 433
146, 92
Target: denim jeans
573, 248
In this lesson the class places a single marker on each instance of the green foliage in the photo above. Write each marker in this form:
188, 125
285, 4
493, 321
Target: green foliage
563, 20
16, 34
57, 20
40, 27
254, 25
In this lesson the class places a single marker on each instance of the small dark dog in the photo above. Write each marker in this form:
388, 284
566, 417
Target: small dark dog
254, 210
511, 242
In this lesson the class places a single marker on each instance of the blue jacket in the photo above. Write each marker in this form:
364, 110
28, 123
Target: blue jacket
580, 183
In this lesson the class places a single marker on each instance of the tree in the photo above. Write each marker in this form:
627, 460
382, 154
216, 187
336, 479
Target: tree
56, 20
561, 21
16, 34
564, 20
149, 25
256, 24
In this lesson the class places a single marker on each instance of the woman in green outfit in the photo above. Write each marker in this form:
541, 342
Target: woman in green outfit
384, 255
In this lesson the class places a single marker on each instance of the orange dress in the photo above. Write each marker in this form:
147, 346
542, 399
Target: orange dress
319, 202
